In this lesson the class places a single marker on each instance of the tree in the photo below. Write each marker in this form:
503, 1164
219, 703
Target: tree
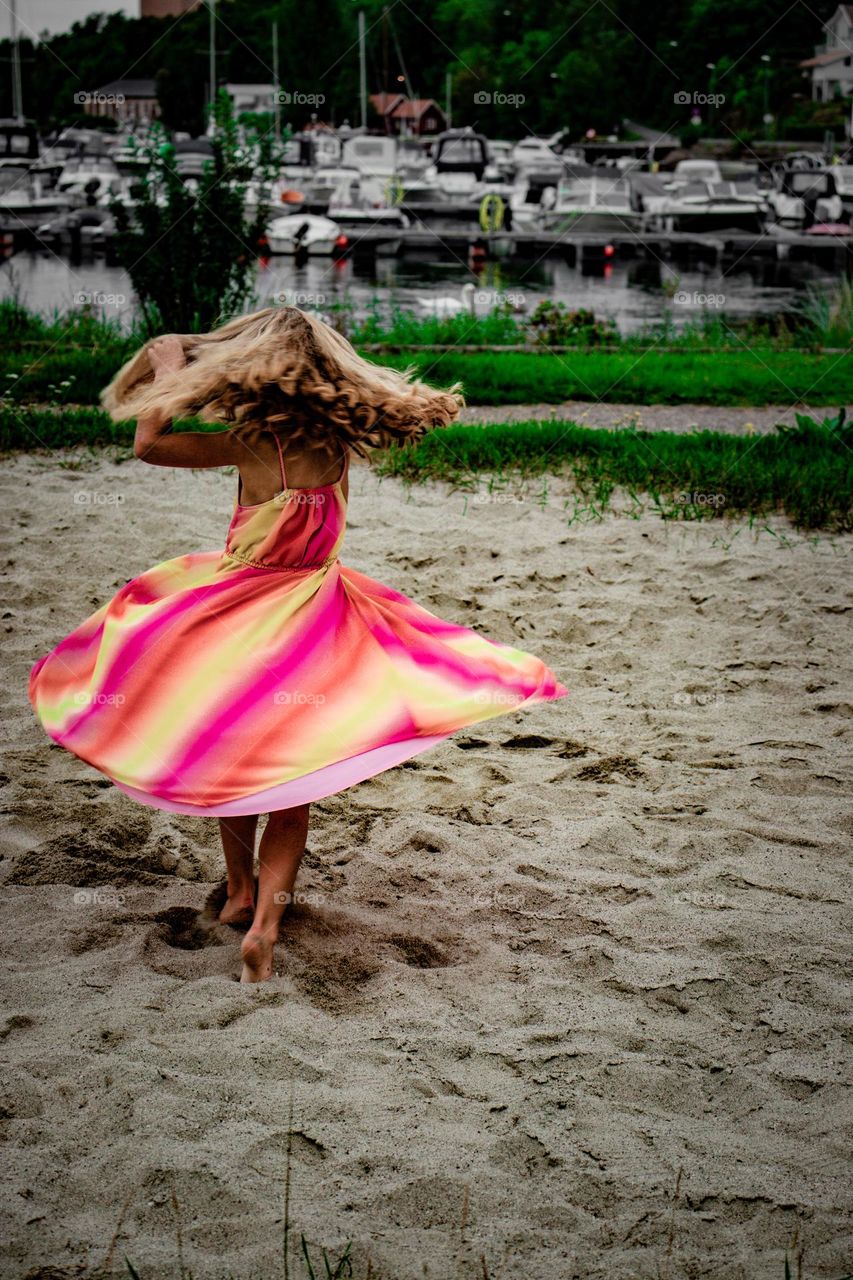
190, 252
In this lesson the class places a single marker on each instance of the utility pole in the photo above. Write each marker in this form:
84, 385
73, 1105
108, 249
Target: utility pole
17, 97
362, 69
276, 86
211, 5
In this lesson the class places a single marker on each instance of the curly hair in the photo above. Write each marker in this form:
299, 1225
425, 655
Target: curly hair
285, 369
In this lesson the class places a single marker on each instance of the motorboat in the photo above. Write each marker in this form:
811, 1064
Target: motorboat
698, 204
533, 153
305, 234
595, 204
803, 197
24, 201
460, 163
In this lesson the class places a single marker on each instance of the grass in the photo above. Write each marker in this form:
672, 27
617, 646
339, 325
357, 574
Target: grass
828, 313
654, 377
805, 472
76, 376
68, 359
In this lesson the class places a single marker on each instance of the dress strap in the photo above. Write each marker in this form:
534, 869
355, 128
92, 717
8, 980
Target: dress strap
280, 461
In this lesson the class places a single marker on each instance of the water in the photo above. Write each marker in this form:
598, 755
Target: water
632, 294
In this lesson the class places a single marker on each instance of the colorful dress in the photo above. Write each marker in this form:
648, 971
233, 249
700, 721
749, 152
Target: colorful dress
269, 675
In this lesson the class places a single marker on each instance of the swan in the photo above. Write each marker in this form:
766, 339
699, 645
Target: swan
446, 305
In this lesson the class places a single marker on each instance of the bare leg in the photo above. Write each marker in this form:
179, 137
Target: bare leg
238, 844
280, 853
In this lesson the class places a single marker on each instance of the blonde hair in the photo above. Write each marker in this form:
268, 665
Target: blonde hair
285, 369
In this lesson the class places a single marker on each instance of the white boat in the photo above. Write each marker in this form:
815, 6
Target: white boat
699, 205
533, 153
23, 201
460, 164
300, 234
594, 204
802, 197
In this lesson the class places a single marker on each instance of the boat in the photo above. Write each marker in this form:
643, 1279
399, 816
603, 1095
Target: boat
460, 163
305, 234
24, 200
698, 205
596, 204
803, 197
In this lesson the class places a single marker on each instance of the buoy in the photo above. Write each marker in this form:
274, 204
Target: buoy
491, 212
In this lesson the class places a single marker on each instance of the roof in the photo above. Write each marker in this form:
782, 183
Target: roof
823, 59
383, 102
401, 107
413, 108
131, 88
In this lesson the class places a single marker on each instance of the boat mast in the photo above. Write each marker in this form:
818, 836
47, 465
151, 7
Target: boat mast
211, 5
362, 70
17, 97
275, 84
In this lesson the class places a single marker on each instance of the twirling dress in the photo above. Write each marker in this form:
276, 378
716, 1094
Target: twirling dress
269, 675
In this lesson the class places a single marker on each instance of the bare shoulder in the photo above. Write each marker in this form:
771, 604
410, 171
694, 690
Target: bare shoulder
304, 466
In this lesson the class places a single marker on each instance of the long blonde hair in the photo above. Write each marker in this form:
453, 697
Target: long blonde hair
285, 369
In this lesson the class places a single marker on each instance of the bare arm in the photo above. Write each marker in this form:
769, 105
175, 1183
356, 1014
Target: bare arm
154, 441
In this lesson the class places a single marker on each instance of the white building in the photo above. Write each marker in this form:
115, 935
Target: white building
832, 65
251, 97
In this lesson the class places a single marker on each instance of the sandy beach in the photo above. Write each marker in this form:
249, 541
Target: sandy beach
569, 994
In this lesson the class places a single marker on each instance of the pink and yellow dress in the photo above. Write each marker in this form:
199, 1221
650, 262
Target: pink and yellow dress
269, 675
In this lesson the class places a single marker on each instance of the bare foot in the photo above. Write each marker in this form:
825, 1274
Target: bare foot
238, 910
257, 953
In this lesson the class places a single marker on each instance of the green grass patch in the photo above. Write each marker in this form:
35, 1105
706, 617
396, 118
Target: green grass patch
652, 377
805, 472
68, 359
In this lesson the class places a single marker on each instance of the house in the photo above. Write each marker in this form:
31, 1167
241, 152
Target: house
832, 66
408, 115
128, 101
252, 97
166, 8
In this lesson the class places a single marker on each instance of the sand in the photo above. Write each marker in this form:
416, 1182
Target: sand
569, 993
679, 419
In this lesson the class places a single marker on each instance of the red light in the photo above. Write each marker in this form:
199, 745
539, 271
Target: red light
609, 251
342, 241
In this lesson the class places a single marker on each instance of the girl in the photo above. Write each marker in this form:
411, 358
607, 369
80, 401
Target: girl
265, 676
